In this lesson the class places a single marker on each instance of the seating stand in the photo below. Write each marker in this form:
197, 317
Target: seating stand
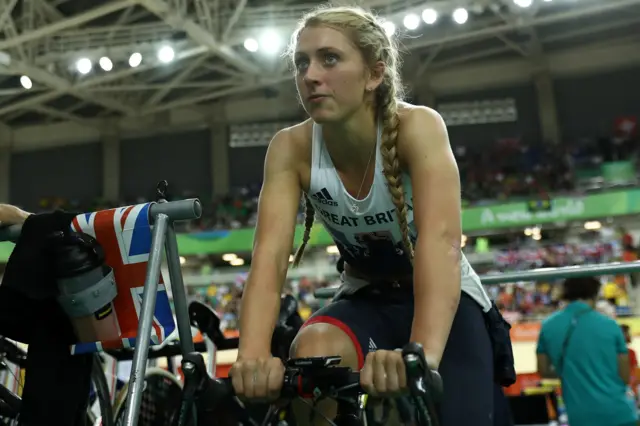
163, 235
131, 248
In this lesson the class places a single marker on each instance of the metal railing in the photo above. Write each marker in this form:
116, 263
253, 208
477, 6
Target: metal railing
541, 274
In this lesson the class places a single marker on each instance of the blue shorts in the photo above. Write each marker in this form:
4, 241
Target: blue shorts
381, 319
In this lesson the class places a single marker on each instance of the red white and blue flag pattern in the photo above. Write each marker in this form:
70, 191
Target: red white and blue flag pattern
125, 235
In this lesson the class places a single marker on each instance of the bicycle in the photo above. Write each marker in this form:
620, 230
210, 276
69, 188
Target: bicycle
11, 403
162, 392
315, 378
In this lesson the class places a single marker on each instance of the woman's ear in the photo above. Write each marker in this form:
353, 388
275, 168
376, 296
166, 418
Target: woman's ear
376, 76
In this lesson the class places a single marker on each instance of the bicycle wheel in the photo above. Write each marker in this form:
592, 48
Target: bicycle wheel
101, 393
161, 400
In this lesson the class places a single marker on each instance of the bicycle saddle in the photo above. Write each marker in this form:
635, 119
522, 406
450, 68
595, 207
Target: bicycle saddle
207, 321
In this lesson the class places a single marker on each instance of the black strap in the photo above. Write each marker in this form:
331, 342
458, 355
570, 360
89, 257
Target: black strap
565, 344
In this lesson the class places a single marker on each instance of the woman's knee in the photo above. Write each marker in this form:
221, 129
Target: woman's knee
322, 339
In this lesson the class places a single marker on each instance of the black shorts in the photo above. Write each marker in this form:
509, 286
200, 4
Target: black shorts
383, 321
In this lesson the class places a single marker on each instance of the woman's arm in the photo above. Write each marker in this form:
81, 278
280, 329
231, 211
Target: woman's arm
12, 215
273, 242
424, 147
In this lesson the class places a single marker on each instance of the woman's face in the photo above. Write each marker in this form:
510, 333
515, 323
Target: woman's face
331, 75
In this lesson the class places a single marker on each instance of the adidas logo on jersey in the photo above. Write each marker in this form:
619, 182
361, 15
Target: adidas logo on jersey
323, 197
372, 345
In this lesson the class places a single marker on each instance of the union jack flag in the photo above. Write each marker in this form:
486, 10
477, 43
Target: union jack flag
125, 235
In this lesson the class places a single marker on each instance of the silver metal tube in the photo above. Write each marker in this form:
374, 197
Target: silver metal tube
177, 289
563, 272
176, 211
541, 274
140, 355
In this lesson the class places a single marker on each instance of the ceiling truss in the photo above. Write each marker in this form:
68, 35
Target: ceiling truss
42, 40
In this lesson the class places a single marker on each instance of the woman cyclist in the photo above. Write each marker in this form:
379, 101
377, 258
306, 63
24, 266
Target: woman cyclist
378, 173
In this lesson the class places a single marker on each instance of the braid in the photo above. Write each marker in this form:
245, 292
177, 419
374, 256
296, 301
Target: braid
388, 107
309, 214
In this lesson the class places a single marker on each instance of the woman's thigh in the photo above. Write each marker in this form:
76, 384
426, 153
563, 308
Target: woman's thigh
467, 370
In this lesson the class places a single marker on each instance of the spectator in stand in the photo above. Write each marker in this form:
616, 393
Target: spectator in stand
588, 352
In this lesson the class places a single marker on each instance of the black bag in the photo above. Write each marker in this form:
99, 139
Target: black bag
504, 372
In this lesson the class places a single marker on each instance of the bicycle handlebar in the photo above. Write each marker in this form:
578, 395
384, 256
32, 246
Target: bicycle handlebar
180, 210
321, 376
330, 381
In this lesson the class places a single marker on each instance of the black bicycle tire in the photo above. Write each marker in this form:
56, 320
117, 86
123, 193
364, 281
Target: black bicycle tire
121, 399
13, 401
102, 392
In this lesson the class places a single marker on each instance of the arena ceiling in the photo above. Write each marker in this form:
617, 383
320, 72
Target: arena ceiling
44, 40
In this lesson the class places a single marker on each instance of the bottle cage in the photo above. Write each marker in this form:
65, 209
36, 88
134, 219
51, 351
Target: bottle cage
93, 299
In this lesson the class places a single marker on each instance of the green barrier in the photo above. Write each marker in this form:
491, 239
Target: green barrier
593, 206
480, 218
619, 172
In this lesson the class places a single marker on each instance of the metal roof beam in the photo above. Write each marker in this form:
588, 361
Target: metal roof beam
7, 8
90, 82
234, 19
56, 113
536, 21
74, 21
50, 10
184, 74
562, 36
167, 13
60, 84
217, 94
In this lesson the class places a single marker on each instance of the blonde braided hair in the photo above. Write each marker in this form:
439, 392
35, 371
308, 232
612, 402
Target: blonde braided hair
309, 214
375, 45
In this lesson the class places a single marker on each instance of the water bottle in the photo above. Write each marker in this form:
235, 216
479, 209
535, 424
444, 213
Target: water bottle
86, 287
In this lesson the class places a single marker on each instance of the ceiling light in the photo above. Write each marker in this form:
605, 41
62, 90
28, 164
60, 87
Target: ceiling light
523, 3
429, 16
84, 66
271, 42
389, 28
105, 63
135, 59
460, 15
411, 21
166, 54
251, 44
26, 82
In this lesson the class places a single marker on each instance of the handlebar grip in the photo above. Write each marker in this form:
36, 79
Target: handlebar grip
222, 387
417, 368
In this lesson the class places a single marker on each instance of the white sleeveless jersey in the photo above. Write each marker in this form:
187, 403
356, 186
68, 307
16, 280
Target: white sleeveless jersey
368, 236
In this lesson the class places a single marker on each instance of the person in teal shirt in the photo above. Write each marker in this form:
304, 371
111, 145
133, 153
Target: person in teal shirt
587, 351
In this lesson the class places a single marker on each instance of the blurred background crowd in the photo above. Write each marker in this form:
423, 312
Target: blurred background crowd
510, 170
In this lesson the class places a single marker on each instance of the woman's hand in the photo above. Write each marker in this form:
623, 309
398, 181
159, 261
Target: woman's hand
384, 374
12, 215
260, 378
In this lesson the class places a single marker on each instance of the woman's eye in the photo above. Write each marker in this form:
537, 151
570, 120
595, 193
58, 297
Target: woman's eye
301, 64
331, 59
